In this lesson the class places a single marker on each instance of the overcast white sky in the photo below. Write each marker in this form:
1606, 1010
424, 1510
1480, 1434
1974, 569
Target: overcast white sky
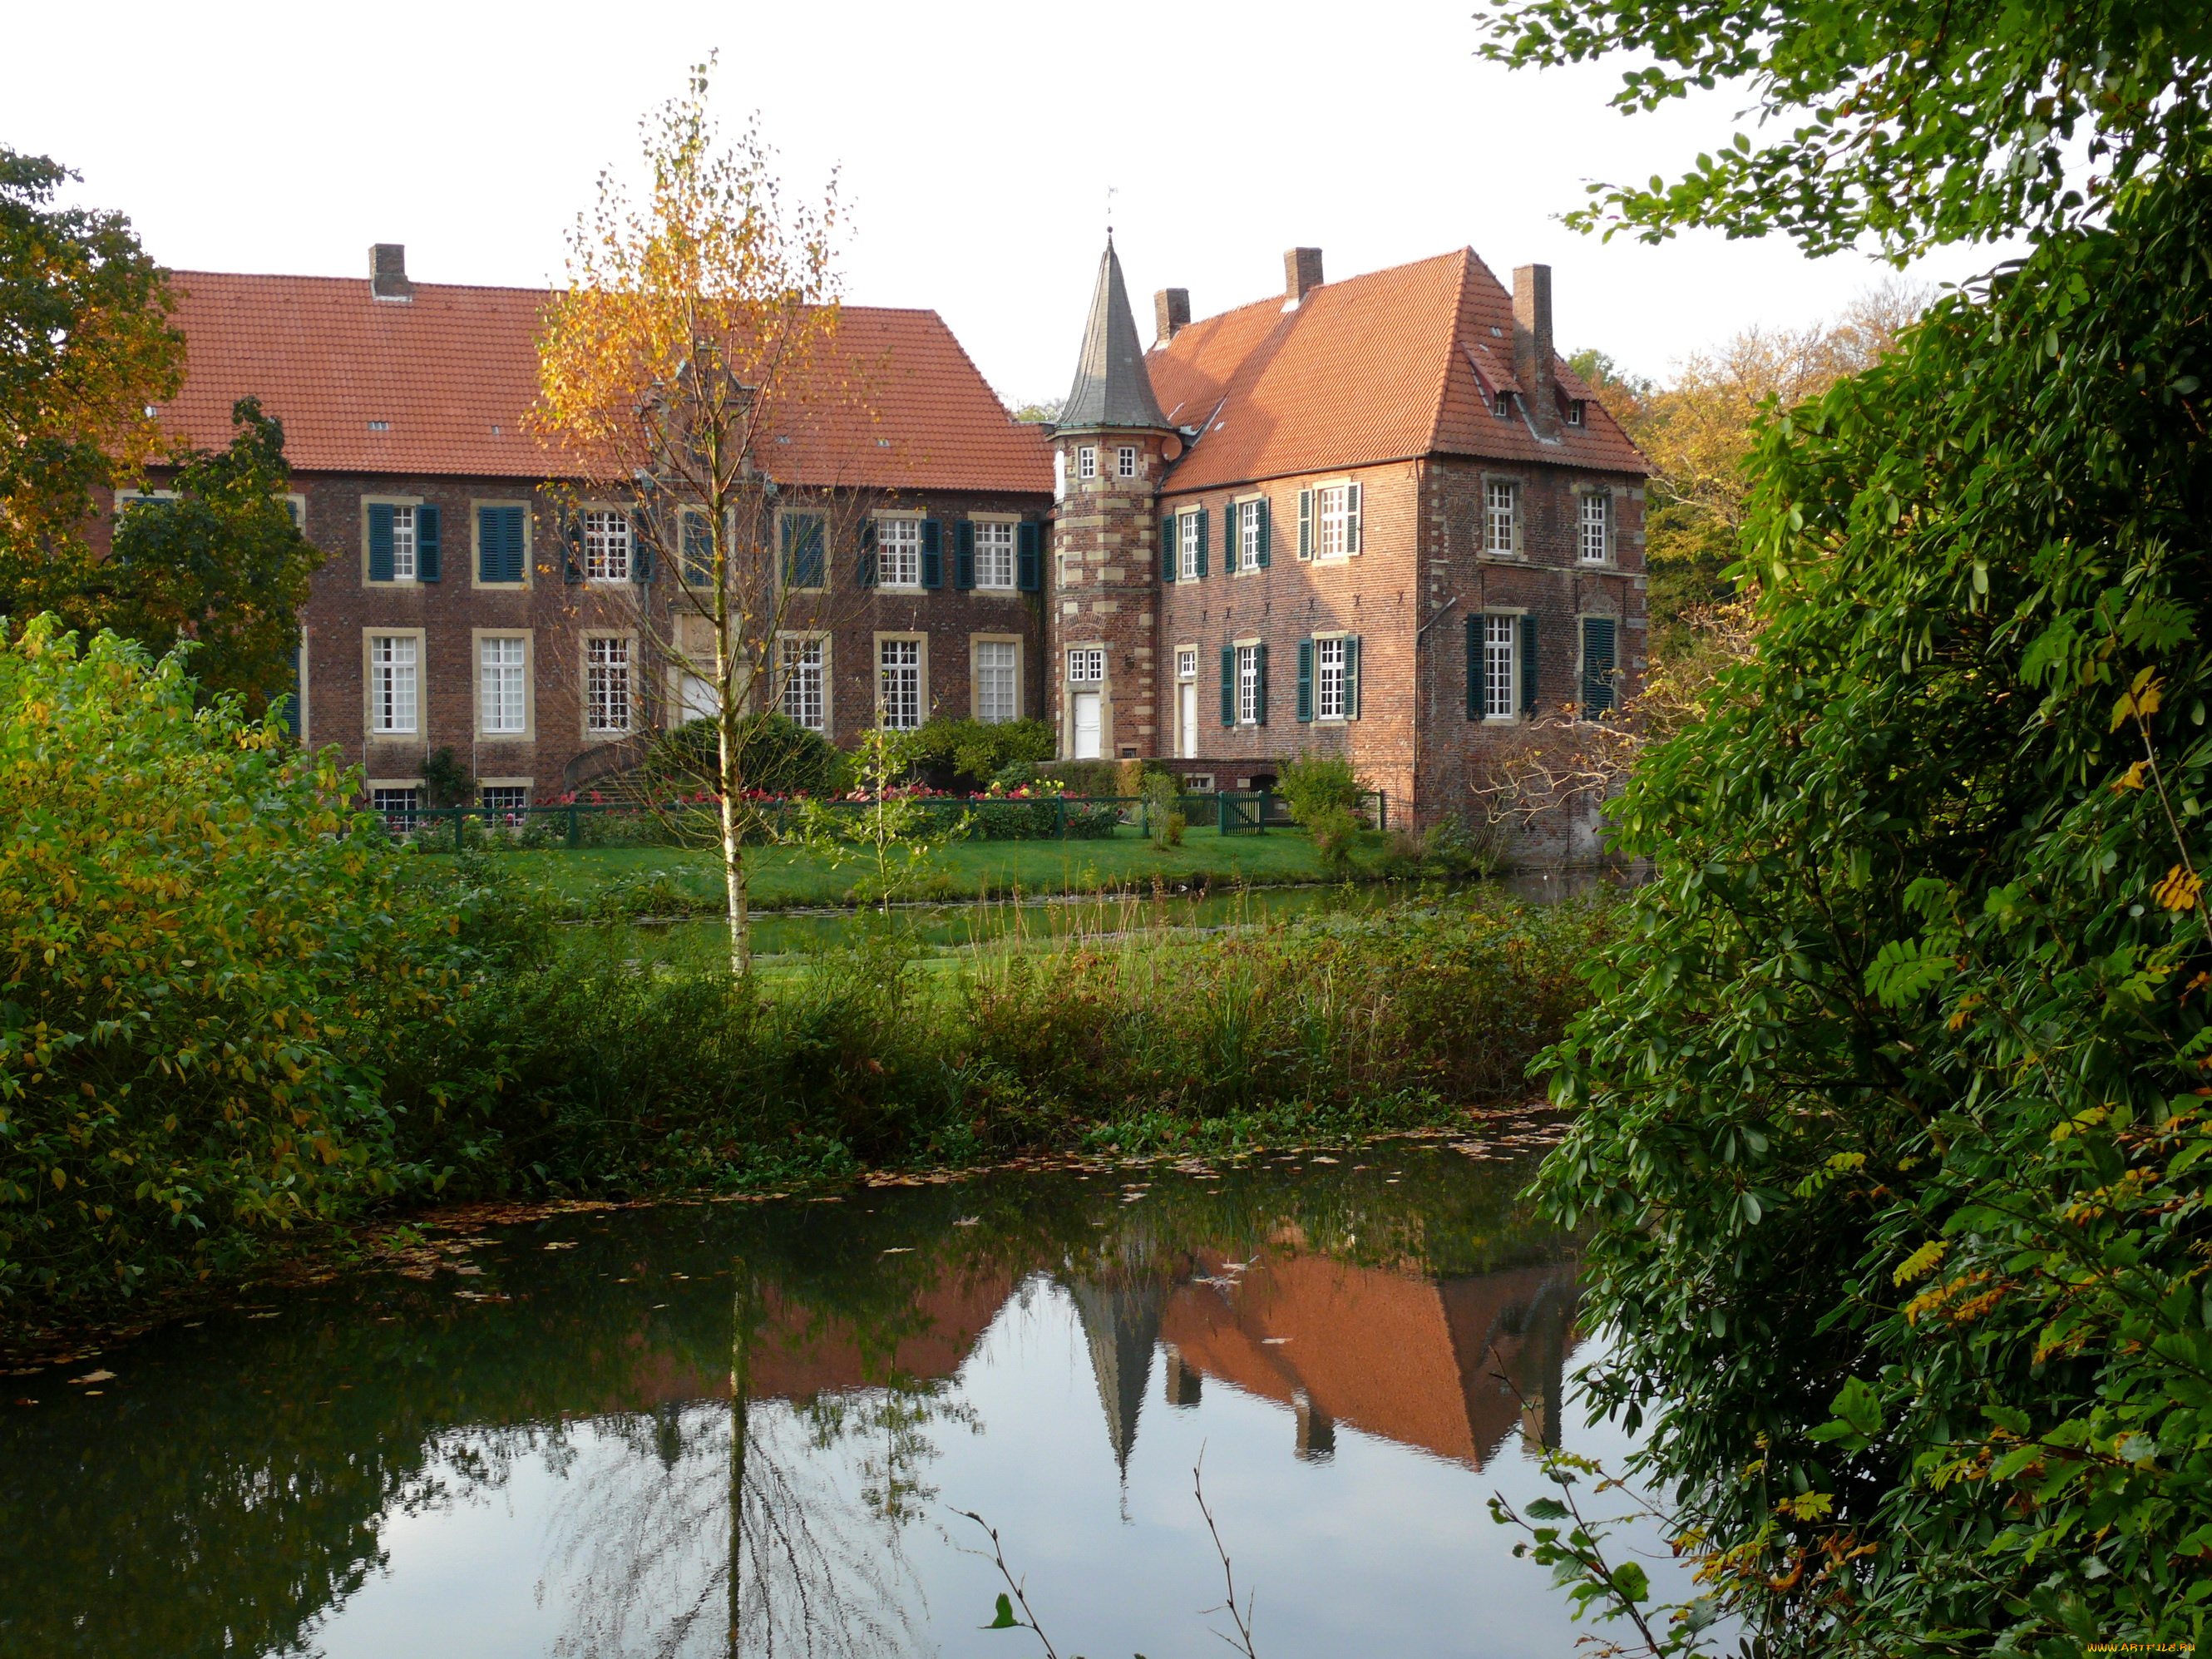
977, 138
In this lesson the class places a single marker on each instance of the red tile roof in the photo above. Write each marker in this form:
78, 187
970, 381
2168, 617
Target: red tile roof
451, 375
1379, 367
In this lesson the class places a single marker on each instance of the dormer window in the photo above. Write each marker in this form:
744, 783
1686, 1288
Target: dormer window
1086, 462
1574, 411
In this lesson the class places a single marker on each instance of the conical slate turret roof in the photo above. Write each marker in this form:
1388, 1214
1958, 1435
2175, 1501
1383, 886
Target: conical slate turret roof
1111, 387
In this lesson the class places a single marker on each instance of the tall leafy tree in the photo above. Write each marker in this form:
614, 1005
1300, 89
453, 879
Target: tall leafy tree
222, 565
1892, 1141
86, 351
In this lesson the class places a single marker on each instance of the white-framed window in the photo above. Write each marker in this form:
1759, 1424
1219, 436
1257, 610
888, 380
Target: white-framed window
606, 684
398, 805
1501, 645
606, 546
1574, 411
393, 667
1333, 509
1187, 664
1086, 461
995, 669
1328, 679
1190, 541
1086, 665
898, 552
1248, 534
403, 568
1598, 528
501, 687
509, 800
1124, 461
1247, 685
1502, 405
898, 681
1501, 510
995, 555
802, 699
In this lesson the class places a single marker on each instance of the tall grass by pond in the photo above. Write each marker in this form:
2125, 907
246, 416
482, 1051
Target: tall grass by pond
633, 1063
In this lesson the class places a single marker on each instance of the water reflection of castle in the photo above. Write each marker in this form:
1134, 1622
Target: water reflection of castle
1449, 1366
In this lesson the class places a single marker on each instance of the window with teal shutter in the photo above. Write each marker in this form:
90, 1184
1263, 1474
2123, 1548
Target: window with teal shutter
1261, 504
1204, 530
1474, 693
572, 561
1351, 518
379, 542
1260, 699
499, 545
1306, 523
1598, 694
863, 566
1351, 676
1528, 665
804, 549
1305, 679
1229, 686
1167, 547
426, 543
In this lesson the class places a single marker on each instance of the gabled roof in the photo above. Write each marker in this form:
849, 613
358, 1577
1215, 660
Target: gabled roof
452, 373
1110, 388
1379, 367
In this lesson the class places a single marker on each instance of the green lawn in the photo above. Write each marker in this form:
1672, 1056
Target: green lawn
783, 876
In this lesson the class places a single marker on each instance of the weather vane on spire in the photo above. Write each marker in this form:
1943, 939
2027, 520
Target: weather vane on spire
1111, 190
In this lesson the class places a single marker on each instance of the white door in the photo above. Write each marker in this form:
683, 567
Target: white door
1189, 692
1086, 725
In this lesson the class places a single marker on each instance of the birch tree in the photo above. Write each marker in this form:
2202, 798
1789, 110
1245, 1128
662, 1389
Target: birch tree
692, 385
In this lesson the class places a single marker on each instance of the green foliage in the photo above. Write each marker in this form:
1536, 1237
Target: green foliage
1892, 1118
893, 830
971, 754
223, 566
1913, 123
448, 781
1317, 784
776, 756
1102, 777
1163, 819
206, 973
85, 348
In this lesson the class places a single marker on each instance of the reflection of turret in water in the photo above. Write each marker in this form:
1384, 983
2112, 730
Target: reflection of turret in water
1120, 1319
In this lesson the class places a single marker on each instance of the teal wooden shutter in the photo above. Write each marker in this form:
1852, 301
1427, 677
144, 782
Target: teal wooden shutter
491, 545
933, 553
1229, 686
572, 566
1029, 556
640, 553
1305, 679
1228, 518
1474, 624
1260, 687
1167, 547
864, 567
963, 554
379, 543
698, 550
1306, 523
1351, 518
1261, 507
813, 550
1351, 676
1528, 665
1205, 532
426, 543
1597, 665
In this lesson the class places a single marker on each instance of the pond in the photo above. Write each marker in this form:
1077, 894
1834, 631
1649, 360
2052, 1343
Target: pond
748, 1428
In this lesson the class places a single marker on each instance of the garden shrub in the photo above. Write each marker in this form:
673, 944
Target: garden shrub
780, 756
969, 754
208, 968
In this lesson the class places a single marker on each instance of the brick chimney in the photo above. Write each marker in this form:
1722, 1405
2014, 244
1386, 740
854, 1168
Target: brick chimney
1170, 313
1301, 272
1532, 346
387, 272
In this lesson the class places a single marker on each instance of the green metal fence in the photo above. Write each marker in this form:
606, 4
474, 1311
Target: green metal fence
1038, 817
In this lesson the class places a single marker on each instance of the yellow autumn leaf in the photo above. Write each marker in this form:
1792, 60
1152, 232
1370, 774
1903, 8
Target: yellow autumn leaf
1920, 1261
2179, 890
2132, 778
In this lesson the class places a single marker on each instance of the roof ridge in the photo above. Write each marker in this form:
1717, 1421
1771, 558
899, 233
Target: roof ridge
497, 288
1276, 299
